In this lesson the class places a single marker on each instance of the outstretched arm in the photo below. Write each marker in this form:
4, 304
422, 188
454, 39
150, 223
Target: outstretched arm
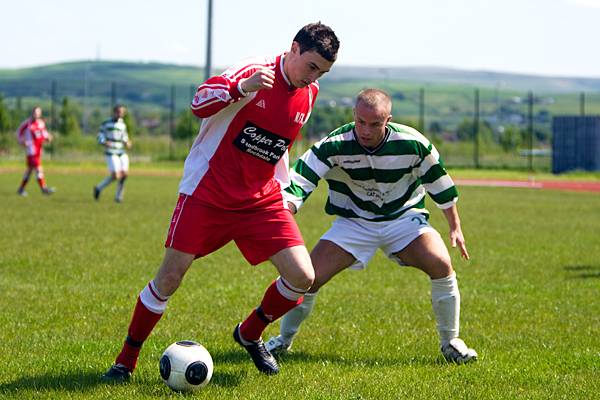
305, 175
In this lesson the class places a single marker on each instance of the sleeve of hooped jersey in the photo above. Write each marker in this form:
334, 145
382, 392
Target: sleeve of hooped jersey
435, 179
101, 138
306, 174
219, 91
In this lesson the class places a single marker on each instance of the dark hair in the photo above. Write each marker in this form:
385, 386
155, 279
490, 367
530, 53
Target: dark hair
320, 38
117, 106
35, 108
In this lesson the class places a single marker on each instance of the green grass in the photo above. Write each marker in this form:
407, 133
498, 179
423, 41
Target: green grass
71, 268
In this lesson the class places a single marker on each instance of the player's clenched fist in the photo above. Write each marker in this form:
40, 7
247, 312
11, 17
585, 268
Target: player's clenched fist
261, 79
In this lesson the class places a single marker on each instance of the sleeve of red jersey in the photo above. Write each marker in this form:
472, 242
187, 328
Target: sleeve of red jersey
219, 91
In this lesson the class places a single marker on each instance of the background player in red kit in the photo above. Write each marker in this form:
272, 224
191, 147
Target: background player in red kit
31, 135
231, 189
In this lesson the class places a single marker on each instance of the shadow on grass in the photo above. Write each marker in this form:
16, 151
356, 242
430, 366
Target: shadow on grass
84, 382
583, 271
240, 357
74, 382
324, 358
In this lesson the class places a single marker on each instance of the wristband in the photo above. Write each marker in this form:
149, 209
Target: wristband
239, 88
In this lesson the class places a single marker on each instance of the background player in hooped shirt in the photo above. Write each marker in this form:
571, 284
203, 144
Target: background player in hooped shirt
31, 135
378, 173
113, 136
231, 189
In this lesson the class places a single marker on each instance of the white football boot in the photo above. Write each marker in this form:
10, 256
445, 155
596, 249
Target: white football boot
456, 351
277, 345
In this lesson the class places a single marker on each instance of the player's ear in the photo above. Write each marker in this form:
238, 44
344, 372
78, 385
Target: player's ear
295, 48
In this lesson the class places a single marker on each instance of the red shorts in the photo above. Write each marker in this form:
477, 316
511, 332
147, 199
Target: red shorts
199, 229
34, 161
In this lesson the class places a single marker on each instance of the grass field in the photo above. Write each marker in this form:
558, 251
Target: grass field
71, 268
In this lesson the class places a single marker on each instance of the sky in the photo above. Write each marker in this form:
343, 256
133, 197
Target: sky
540, 37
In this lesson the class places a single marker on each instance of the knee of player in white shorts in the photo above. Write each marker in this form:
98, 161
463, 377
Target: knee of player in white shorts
441, 269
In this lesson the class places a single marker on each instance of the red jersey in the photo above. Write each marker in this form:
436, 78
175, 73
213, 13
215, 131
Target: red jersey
32, 135
241, 153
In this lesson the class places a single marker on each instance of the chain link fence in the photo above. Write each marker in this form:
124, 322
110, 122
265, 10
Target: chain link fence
475, 128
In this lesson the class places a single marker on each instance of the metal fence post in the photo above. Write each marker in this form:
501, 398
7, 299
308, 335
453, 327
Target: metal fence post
422, 110
530, 129
113, 96
476, 130
171, 122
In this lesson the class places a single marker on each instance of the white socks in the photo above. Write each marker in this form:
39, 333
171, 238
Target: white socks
290, 323
445, 299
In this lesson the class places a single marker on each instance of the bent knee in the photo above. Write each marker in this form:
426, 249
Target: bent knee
442, 268
302, 280
306, 280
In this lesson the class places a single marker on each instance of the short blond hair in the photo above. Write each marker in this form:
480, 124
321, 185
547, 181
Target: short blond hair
374, 98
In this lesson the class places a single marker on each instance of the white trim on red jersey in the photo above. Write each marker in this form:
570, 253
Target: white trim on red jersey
240, 158
32, 139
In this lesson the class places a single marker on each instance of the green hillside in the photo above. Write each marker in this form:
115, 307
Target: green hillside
447, 96
157, 73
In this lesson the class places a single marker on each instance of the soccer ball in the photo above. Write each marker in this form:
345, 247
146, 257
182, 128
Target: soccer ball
186, 366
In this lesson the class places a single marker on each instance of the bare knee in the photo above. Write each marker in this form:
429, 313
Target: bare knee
441, 268
302, 279
294, 265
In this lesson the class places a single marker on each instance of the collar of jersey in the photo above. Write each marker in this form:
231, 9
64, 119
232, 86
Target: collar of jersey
290, 87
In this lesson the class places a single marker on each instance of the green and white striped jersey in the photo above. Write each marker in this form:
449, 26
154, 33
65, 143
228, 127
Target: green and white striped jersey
377, 185
113, 135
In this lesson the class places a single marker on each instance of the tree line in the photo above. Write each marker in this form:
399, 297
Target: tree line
72, 123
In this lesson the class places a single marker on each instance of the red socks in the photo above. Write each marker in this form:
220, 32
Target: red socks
142, 324
273, 305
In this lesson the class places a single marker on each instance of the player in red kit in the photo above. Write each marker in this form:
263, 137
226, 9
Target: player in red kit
231, 189
31, 135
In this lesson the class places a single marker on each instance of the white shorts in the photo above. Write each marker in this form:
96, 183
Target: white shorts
362, 238
117, 163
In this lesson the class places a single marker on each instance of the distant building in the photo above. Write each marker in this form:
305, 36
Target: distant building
575, 143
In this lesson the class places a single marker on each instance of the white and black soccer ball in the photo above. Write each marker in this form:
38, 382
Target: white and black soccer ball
186, 366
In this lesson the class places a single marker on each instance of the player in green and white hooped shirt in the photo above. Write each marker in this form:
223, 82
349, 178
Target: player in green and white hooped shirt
113, 136
378, 173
